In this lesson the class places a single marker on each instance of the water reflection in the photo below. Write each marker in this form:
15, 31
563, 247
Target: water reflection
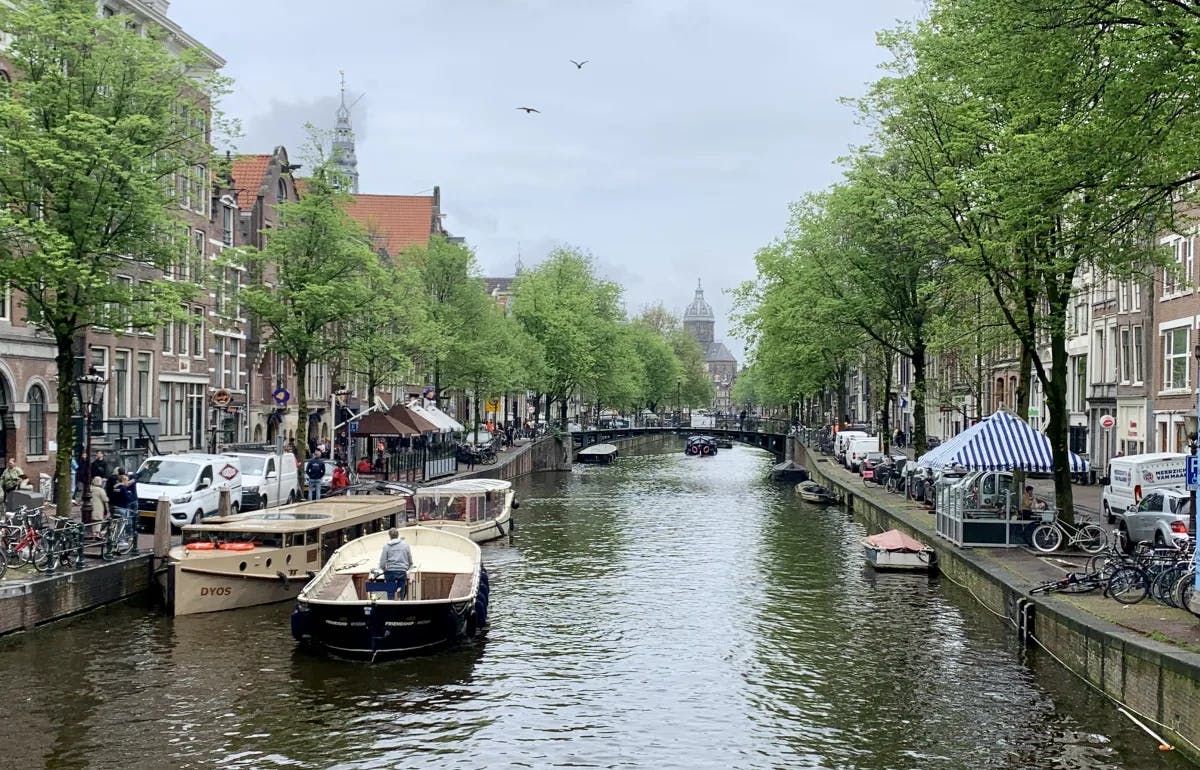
662, 612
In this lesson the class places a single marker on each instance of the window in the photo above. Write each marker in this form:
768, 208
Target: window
198, 332
1137, 355
1123, 296
1135, 297
1110, 354
196, 257
37, 421
6, 304
195, 416
4, 76
124, 318
1126, 356
182, 334
227, 225
1080, 383
235, 367
1186, 264
143, 384
220, 365
168, 338
199, 185
98, 358
1097, 355
120, 383
1175, 359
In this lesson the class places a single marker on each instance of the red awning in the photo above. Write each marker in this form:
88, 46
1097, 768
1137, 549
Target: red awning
414, 423
895, 540
378, 424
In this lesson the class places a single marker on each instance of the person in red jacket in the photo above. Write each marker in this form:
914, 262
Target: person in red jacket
341, 479
364, 465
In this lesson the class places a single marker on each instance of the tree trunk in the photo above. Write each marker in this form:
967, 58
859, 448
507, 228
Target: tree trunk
1056, 398
301, 408
920, 372
64, 433
885, 423
1024, 394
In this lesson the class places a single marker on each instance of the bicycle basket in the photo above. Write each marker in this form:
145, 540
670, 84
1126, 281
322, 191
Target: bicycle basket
1048, 517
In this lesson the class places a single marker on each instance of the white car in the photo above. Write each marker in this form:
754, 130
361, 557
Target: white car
1161, 517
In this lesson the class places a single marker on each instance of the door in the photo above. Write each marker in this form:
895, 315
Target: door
1141, 522
206, 498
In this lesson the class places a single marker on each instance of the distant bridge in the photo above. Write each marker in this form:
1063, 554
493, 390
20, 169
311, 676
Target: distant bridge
775, 443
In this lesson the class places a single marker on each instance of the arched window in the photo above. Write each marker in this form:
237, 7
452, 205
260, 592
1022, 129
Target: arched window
281, 191
37, 421
5, 76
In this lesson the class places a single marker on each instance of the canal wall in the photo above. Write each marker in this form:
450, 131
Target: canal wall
26, 604
550, 453
1151, 678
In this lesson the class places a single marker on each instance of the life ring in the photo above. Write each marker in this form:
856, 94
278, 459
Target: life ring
201, 545
236, 546
706, 450
693, 450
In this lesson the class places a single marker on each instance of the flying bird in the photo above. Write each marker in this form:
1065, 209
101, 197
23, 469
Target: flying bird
579, 64
529, 110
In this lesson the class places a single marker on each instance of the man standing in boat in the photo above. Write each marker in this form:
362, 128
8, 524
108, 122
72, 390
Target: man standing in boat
395, 561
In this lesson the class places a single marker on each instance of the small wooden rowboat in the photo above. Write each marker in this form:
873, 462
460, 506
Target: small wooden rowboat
894, 550
812, 492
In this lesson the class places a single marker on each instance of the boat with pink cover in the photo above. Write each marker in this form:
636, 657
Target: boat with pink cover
894, 550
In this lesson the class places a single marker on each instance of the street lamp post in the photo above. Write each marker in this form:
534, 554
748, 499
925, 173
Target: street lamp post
91, 395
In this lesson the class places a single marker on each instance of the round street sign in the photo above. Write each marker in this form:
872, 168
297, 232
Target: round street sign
281, 396
221, 398
1107, 422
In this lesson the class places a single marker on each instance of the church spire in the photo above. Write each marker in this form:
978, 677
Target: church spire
343, 143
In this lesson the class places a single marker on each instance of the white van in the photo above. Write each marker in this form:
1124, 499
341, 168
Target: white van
857, 449
842, 441
268, 479
193, 482
1129, 478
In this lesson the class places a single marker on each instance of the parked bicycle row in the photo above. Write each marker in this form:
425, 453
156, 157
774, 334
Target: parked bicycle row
31, 537
1164, 573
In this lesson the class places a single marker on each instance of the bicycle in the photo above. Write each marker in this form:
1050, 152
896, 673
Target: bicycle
22, 539
1049, 536
1073, 583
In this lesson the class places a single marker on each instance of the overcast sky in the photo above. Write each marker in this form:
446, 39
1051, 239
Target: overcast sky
670, 156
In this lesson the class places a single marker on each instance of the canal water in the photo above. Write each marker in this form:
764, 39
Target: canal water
664, 612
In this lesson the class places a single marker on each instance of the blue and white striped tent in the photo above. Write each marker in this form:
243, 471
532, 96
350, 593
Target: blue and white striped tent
998, 442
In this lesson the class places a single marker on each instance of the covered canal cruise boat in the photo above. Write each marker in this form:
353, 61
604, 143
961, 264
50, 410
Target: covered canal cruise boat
700, 446
479, 509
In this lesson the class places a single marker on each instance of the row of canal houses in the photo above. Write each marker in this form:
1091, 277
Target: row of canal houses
1134, 360
161, 382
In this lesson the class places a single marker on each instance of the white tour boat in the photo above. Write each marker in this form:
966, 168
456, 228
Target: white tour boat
480, 509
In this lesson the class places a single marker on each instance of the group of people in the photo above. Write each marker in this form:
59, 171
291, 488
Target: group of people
112, 492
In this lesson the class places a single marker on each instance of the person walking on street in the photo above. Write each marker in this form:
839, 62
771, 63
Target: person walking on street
314, 471
100, 502
99, 466
395, 561
341, 479
10, 480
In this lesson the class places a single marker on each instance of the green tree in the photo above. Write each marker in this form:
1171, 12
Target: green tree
381, 341
659, 364
457, 306
325, 274
93, 131
573, 316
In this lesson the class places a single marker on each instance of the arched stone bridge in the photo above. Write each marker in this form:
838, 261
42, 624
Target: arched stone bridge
775, 443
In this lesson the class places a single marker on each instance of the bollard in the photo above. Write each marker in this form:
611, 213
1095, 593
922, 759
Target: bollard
162, 528
225, 506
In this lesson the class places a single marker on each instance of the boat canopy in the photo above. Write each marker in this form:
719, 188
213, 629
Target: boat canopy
998, 442
468, 486
468, 500
895, 540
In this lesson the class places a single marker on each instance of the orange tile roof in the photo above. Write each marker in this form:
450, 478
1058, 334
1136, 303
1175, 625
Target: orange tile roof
248, 173
395, 222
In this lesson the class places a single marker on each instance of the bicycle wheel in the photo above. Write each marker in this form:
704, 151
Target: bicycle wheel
1162, 588
1103, 564
1128, 585
1184, 590
39, 555
3, 563
1092, 538
1046, 538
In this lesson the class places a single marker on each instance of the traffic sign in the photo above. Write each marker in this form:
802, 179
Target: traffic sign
281, 396
221, 398
1193, 470
1107, 422
354, 427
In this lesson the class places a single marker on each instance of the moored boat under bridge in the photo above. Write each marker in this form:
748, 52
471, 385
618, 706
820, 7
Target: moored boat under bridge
777, 443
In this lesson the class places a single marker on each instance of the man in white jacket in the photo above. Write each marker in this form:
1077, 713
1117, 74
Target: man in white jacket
395, 561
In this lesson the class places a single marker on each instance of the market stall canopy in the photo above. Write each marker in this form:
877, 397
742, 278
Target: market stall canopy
999, 442
416, 424
380, 424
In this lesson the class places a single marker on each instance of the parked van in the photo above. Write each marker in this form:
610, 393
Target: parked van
842, 440
268, 479
193, 482
858, 448
1129, 479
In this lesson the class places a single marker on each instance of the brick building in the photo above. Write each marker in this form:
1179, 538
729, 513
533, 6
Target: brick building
1176, 310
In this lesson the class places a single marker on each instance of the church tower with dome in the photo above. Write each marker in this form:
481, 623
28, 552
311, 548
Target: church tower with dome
698, 319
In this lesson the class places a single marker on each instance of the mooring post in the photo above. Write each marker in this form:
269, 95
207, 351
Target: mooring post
162, 529
225, 504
